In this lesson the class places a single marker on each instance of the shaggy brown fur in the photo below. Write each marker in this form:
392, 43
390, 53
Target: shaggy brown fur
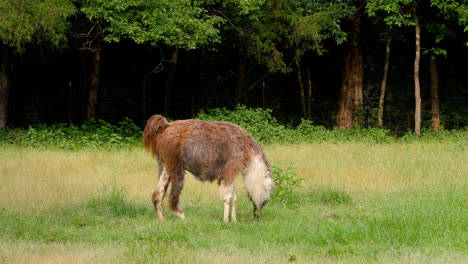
209, 150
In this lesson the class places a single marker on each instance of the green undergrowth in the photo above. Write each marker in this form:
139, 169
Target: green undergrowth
98, 134
324, 223
267, 129
93, 134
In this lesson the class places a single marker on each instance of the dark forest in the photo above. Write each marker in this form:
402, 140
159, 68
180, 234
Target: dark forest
319, 60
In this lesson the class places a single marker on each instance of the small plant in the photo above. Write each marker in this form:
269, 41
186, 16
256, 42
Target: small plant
292, 257
286, 181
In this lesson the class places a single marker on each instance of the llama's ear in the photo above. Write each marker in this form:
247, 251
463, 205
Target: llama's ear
162, 127
154, 125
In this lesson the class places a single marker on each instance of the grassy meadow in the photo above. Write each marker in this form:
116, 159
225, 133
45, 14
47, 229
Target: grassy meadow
358, 202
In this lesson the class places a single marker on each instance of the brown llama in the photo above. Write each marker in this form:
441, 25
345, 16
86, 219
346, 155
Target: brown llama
210, 151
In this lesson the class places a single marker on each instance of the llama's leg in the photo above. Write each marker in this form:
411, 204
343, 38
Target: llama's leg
158, 194
233, 204
227, 193
177, 179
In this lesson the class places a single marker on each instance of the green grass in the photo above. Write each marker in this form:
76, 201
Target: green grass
389, 203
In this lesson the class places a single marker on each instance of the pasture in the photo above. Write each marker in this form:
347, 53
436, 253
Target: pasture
358, 202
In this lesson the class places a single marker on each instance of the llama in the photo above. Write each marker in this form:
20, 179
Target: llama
210, 150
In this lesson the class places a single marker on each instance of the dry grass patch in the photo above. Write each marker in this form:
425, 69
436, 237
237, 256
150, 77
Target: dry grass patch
381, 168
30, 252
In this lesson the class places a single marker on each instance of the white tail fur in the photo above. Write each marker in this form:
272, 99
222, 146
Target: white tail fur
258, 181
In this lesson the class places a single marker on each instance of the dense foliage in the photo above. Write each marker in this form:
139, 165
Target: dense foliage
25, 22
260, 123
172, 23
92, 134
110, 59
266, 129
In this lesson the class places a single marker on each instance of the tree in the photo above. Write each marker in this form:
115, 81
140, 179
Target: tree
435, 101
383, 86
296, 27
317, 23
405, 13
236, 33
351, 95
26, 23
386, 34
439, 27
175, 24
417, 87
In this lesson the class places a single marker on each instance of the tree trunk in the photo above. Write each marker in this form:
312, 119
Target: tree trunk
384, 84
241, 79
435, 102
351, 95
309, 94
301, 84
168, 83
357, 79
4, 93
94, 84
5, 84
417, 88
344, 115
144, 84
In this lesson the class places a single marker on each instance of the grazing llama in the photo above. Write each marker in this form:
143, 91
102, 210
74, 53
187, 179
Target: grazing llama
210, 151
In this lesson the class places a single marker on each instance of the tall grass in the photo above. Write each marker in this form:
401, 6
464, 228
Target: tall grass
384, 203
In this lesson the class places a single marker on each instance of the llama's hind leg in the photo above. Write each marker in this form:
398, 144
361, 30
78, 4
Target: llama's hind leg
177, 179
158, 194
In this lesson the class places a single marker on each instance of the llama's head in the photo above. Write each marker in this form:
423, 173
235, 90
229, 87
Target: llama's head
259, 183
268, 188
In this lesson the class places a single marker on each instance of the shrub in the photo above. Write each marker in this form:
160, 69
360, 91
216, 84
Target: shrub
286, 182
266, 129
91, 134
260, 123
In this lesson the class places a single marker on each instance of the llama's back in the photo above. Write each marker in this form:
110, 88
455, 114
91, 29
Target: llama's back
209, 148
212, 147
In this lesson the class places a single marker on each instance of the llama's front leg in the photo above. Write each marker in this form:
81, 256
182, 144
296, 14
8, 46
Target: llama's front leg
228, 195
158, 194
233, 205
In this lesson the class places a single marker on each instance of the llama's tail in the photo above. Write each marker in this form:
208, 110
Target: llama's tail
258, 181
155, 124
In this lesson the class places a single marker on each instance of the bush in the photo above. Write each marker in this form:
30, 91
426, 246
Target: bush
429, 135
91, 134
266, 129
286, 183
260, 123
